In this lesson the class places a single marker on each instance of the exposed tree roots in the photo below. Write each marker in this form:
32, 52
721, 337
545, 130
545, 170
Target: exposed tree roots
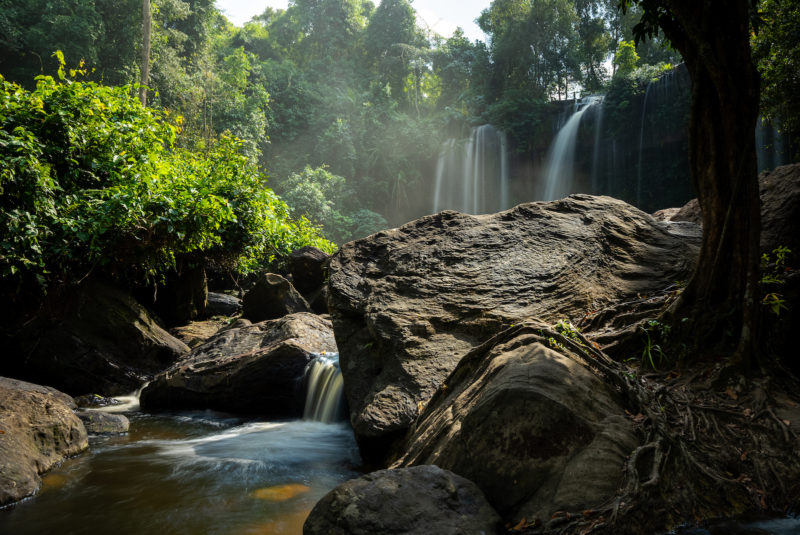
707, 450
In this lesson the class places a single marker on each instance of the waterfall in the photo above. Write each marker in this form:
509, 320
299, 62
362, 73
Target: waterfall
598, 129
558, 178
129, 403
324, 399
641, 147
769, 145
472, 174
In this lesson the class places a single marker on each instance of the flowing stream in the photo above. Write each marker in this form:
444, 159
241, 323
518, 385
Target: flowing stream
198, 472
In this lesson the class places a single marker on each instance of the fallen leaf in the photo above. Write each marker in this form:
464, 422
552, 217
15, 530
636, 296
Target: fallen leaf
748, 412
787, 422
639, 418
731, 393
744, 456
588, 512
2, 432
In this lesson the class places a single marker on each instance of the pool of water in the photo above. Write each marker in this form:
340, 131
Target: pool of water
192, 473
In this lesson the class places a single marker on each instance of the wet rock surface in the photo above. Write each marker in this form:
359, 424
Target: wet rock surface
408, 303
410, 501
37, 431
103, 423
256, 368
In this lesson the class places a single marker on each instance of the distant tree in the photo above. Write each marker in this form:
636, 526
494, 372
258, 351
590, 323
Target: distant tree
394, 44
720, 302
626, 58
534, 45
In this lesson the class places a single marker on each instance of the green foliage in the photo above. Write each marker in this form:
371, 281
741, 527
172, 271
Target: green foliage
626, 58
655, 333
776, 49
322, 197
773, 276
91, 180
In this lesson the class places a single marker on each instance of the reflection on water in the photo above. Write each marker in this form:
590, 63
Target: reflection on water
190, 473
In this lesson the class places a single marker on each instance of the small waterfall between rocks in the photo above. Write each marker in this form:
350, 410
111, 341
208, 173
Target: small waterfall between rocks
324, 397
472, 175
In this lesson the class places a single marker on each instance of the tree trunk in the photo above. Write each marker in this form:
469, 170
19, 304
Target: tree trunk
720, 301
146, 27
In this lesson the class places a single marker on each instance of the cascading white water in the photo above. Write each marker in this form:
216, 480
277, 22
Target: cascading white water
559, 173
129, 403
324, 401
598, 129
472, 175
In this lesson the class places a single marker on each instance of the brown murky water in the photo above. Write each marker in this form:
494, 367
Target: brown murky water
191, 473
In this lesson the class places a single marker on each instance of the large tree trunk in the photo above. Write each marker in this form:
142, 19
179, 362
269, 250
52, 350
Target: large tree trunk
721, 299
146, 27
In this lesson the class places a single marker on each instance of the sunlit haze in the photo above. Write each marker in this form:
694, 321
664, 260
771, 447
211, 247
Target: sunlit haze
441, 16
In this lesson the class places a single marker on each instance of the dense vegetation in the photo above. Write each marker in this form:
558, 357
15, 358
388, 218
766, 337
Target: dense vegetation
344, 104
91, 180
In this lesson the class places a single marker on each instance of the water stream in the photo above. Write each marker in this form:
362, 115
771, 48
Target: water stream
197, 472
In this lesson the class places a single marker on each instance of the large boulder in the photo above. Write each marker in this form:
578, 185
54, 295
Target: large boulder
307, 267
95, 339
37, 431
220, 304
408, 303
272, 297
534, 428
254, 369
408, 501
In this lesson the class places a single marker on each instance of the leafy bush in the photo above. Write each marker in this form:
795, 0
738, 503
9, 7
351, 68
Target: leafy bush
319, 195
91, 180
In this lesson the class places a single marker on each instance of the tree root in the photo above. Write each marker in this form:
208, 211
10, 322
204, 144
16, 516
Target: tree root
704, 452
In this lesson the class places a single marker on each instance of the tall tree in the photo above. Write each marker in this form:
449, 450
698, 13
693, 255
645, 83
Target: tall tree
721, 299
393, 44
146, 26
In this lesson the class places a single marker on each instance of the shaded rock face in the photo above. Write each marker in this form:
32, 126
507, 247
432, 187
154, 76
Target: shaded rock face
307, 266
272, 297
183, 296
408, 303
222, 305
100, 340
536, 430
39, 430
196, 333
254, 369
780, 209
103, 423
410, 501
